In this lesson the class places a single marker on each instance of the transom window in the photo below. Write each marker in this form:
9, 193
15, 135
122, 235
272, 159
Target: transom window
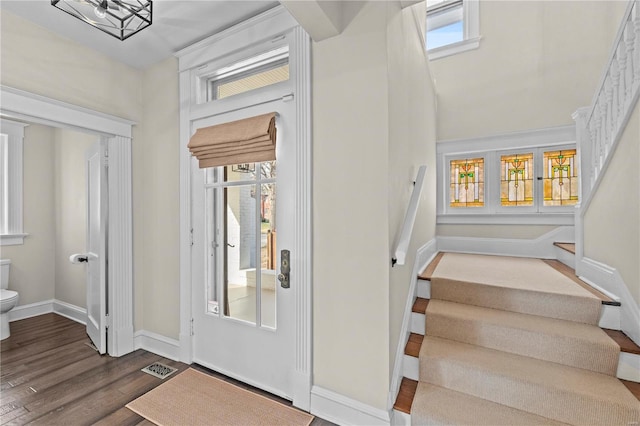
256, 72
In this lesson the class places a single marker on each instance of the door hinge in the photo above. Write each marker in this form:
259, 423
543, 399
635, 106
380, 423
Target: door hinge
191, 237
192, 332
106, 157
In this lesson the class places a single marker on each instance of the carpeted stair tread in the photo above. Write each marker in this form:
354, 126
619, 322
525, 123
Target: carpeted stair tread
522, 285
555, 391
566, 342
435, 405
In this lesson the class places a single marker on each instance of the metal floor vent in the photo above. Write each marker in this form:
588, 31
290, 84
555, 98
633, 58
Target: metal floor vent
158, 370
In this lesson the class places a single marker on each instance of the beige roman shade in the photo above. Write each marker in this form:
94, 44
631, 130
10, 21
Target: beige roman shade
244, 141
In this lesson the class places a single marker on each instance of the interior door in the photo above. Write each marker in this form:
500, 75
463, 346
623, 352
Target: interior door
96, 245
242, 220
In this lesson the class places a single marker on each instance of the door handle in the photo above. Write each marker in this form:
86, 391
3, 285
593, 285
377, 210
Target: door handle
285, 268
79, 258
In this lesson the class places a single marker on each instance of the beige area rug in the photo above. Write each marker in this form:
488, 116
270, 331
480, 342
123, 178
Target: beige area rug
195, 398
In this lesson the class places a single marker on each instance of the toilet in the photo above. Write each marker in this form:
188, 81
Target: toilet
8, 299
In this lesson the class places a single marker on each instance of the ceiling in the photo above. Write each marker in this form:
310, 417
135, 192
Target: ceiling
176, 24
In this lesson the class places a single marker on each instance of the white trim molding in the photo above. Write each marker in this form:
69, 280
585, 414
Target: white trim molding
118, 131
424, 256
59, 307
157, 344
343, 410
541, 247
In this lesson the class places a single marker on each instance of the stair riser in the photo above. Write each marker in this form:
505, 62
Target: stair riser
410, 367
571, 308
568, 351
610, 317
424, 289
565, 257
629, 367
417, 323
559, 404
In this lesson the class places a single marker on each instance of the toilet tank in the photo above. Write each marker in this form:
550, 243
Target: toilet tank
4, 273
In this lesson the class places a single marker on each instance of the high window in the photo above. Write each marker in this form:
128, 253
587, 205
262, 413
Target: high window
11, 141
452, 27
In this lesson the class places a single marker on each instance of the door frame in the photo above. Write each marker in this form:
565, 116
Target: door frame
270, 25
23, 105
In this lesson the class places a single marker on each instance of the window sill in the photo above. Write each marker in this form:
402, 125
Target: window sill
12, 239
507, 219
454, 48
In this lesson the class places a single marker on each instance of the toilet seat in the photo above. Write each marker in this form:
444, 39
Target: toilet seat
8, 296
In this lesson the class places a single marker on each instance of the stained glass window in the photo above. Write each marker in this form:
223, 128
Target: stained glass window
560, 178
467, 183
516, 180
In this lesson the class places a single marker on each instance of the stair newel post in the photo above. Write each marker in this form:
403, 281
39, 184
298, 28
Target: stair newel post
584, 146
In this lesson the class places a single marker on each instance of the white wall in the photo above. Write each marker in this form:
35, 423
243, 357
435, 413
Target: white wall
70, 213
32, 272
350, 214
156, 194
373, 125
412, 143
538, 62
612, 221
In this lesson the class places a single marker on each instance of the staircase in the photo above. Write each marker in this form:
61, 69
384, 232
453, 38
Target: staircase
498, 348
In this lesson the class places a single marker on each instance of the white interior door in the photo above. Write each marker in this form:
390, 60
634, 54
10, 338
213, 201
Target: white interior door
243, 218
96, 245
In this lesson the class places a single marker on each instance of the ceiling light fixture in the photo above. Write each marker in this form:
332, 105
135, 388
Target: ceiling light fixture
119, 18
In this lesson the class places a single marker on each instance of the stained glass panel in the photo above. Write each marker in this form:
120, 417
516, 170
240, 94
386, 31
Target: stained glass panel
560, 178
516, 180
467, 183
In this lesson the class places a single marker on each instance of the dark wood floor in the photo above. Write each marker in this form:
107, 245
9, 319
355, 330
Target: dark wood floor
50, 375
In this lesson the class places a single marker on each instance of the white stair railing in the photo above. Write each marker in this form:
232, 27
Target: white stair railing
600, 126
400, 253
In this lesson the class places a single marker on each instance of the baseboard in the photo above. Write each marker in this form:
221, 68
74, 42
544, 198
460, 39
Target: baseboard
611, 283
343, 410
424, 256
156, 343
70, 311
59, 307
31, 310
541, 247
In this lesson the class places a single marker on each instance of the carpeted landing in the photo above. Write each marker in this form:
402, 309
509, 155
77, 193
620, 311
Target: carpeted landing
512, 341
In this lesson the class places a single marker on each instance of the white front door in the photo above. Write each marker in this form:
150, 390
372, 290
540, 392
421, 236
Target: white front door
243, 217
96, 245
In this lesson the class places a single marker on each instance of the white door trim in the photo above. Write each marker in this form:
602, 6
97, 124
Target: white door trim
34, 108
270, 24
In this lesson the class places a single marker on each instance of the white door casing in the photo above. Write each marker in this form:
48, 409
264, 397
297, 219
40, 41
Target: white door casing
30, 107
271, 26
96, 259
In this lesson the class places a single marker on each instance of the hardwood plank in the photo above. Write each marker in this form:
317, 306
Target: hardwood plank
570, 247
570, 273
420, 305
626, 344
412, 348
405, 395
120, 417
431, 267
50, 376
634, 388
